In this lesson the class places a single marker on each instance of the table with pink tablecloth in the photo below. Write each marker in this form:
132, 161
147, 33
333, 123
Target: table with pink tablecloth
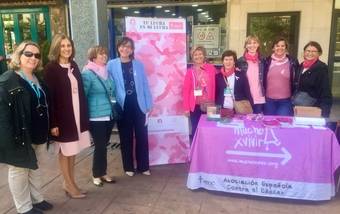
282, 161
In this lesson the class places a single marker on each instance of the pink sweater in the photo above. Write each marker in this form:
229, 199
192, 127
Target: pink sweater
189, 100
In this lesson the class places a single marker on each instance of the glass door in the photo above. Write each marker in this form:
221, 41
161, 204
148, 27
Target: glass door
334, 63
17, 25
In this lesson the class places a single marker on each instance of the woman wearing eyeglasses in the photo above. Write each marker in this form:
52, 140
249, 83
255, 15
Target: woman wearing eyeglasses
69, 121
24, 128
134, 97
311, 82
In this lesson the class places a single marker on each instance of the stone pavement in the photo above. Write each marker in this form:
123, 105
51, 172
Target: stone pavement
161, 193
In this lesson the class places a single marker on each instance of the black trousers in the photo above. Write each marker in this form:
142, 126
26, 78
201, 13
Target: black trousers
101, 132
194, 118
132, 124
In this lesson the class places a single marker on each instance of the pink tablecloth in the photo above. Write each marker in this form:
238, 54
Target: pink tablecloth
280, 162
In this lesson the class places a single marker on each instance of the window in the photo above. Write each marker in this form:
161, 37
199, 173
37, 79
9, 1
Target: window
205, 25
268, 26
17, 25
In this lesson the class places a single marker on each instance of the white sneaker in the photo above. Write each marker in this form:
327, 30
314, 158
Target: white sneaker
129, 173
147, 172
97, 182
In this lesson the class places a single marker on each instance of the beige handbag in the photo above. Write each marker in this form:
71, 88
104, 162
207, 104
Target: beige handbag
243, 107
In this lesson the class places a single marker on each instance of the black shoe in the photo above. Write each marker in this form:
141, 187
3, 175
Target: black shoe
33, 211
44, 205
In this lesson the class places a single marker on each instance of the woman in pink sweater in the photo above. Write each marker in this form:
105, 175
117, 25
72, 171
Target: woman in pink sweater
199, 86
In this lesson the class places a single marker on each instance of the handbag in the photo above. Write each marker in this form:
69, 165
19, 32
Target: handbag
117, 111
243, 107
302, 98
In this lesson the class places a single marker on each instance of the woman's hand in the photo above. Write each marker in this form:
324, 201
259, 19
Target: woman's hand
55, 131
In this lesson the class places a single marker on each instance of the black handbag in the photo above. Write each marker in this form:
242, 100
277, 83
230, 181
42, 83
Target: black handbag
117, 111
302, 98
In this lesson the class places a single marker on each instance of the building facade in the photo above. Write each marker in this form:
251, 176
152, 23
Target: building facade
215, 24
35, 20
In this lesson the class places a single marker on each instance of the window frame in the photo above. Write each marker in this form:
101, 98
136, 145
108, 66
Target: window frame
296, 29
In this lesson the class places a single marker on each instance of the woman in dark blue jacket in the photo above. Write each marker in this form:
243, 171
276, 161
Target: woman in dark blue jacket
230, 80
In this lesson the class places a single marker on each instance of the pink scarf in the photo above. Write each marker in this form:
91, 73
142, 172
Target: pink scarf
253, 58
308, 63
100, 70
228, 72
283, 59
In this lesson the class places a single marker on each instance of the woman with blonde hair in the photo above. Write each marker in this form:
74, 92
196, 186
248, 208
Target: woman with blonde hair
199, 86
252, 64
100, 92
68, 109
24, 128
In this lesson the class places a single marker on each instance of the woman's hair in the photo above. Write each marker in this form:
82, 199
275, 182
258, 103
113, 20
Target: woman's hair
93, 52
229, 53
15, 58
250, 38
54, 52
279, 39
125, 40
314, 44
198, 48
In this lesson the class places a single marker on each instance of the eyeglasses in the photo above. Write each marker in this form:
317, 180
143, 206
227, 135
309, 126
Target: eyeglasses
126, 46
30, 54
310, 51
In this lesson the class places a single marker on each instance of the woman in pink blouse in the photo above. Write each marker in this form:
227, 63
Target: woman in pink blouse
252, 64
199, 86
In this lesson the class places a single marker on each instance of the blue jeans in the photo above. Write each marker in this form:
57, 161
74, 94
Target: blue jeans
257, 108
281, 107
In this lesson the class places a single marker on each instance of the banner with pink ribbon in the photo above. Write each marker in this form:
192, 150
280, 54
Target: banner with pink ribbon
161, 45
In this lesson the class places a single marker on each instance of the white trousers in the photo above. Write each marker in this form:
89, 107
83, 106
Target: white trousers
25, 184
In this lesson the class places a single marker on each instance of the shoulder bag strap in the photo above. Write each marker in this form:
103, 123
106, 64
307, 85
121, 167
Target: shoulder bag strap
102, 83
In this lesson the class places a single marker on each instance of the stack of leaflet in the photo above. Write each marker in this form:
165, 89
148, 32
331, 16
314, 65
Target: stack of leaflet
312, 121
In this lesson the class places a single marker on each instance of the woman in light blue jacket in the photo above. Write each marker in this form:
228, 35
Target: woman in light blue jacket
134, 97
100, 92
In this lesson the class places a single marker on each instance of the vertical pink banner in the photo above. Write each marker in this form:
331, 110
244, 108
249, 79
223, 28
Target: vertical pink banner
161, 45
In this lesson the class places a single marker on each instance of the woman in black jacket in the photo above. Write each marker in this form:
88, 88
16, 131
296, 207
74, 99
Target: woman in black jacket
312, 82
231, 83
23, 127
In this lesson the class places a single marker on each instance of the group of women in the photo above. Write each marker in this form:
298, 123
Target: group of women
69, 105
272, 85
64, 110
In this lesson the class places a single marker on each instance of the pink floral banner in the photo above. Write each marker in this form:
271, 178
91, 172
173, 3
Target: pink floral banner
161, 45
